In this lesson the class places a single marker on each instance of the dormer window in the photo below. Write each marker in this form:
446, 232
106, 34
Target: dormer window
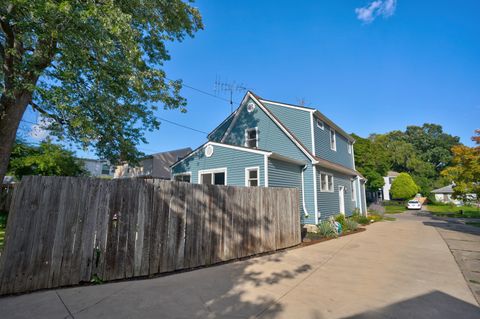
251, 137
320, 125
333, 140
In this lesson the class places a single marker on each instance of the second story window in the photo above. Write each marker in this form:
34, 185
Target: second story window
349, 147
333, 140
251, 137
320, 124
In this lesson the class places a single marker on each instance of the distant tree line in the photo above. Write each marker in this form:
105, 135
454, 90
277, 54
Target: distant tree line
430, 156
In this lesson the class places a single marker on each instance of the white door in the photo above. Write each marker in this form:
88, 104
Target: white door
341, 199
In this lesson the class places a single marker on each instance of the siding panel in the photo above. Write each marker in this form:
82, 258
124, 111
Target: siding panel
322, 146
328, 202
234, 160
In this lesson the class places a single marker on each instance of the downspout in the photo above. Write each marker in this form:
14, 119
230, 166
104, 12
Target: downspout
303, 191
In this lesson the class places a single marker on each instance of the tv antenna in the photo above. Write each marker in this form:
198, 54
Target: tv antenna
228, 87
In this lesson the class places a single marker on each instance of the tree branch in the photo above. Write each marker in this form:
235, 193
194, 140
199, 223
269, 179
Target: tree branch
36, 107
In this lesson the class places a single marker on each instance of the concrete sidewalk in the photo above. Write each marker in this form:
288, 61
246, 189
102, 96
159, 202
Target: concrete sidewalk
400, 269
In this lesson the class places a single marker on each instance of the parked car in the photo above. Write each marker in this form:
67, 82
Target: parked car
414, 204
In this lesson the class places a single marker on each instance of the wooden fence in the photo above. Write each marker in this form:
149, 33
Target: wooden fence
6, 192
66, 230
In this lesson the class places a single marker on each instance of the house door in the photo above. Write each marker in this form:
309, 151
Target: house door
341, 199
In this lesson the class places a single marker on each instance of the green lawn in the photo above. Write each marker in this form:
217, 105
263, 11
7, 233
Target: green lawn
394, 208
476, 224
454, 211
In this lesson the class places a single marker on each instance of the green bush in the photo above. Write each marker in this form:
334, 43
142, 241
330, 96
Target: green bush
403, 187
326, 230
350, 224
361, 219
340, 218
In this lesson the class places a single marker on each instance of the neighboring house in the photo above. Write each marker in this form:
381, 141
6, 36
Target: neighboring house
388, 184
98, 168
445, 195
154, 165
272, 144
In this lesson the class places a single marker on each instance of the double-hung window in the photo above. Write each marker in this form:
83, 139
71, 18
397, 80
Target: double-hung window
251, 137
326, 182
354, 190
320, 124
213, 177
333, 140
252, 176
350, 147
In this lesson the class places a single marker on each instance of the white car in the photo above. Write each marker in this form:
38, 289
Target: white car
414, 204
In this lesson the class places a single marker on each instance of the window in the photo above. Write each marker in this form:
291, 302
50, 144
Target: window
252, 176
183, 178
213, 177
354, 192
320, 124
333, 140
105, 169
349, 147
326, 182
251, 137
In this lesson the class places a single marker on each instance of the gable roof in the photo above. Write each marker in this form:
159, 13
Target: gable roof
319, 115
315, 159
443, 190
163, 160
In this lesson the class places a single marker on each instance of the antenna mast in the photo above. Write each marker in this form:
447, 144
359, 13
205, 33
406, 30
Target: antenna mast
229, 88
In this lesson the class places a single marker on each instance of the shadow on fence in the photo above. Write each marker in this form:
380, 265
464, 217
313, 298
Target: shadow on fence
65, 230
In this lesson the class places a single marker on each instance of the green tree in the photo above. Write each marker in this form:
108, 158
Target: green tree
371, 159
403, 187
465, 171
93, 68
47, 159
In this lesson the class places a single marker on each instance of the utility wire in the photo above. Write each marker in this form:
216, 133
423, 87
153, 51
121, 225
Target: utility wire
172, 122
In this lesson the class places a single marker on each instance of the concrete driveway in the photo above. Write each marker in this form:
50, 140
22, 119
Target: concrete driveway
400, 269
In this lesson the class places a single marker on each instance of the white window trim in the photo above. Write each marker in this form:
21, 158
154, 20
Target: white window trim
334, 148
333, 183
322, 127
248, 169
354, 190
211, 171
182, 174
246, 135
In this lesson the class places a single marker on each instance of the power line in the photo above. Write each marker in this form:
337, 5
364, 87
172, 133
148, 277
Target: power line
172, 122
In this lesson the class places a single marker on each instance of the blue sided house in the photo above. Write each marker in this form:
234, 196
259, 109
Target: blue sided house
272, 144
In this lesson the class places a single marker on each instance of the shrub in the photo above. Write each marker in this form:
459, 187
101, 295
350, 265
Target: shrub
403, 187
361, 219
325, 229
340, 218
350, 224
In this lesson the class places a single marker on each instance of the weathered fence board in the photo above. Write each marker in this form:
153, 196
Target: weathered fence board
65, 230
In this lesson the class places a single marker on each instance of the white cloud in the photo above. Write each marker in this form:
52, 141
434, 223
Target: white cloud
384, 8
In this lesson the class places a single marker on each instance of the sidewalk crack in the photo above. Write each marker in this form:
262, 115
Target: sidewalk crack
66, 308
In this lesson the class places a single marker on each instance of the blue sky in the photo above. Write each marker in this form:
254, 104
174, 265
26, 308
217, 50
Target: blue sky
371, 66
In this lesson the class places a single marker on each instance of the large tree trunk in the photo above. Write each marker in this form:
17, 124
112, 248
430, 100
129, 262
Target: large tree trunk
13, 110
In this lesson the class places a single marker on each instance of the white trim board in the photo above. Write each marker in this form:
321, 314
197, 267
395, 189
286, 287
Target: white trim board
265, 170
212, 171
251, 168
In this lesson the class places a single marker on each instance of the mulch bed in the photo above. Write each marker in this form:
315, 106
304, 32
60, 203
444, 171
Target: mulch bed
320, 240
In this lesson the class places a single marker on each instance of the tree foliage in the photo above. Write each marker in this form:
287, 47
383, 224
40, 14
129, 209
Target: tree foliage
47, 159
371, 159
94, 68
465, 171
403, 187
421, 151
